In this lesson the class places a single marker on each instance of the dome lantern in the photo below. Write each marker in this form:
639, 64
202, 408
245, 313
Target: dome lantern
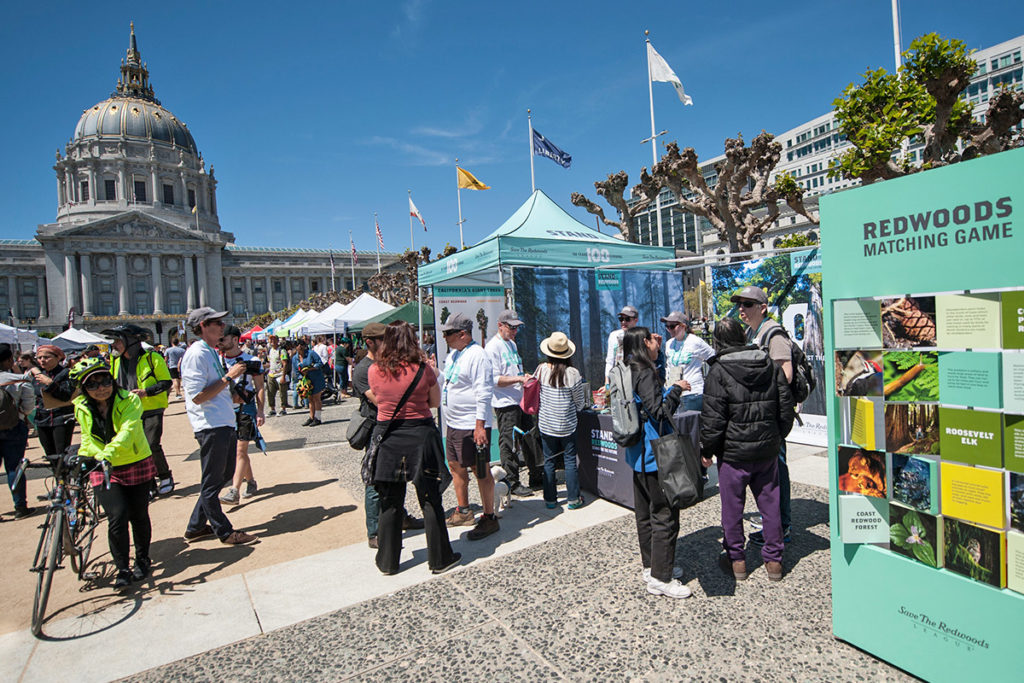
134, 80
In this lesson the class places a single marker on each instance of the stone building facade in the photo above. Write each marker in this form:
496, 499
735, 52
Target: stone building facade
137, 236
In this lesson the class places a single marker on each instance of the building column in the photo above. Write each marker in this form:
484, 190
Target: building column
70, 277
288, 291
158, 286
44, 304
60, 192
201, 271
152, 173
122, 284
12, 296
267, 295
248, 294
92, 184
305, 286
86, 285
122, 177
69, 185
184, 190
190, 283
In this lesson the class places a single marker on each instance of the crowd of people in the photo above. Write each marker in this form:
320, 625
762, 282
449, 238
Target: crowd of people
740, 385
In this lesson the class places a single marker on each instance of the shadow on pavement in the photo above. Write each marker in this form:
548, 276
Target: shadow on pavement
298, 520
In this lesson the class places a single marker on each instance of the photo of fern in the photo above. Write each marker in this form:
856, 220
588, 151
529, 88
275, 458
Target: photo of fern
908, 322
1017, 501
973, 551
911, 376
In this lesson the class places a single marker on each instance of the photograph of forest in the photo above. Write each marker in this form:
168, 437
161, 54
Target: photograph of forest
908, 322
794, 301
973, 551
912, 428
568, 300
1017, 501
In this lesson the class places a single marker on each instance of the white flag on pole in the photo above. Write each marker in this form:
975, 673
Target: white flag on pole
415, 213
662, 72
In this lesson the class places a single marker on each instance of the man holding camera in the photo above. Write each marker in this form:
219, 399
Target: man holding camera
211, 412
248, 395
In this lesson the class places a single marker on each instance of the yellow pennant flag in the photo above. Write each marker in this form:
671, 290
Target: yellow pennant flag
195, 208
468, 181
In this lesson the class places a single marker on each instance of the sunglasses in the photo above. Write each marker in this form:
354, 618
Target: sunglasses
105, 381
450, 332
748, 304
671, 326
624, 318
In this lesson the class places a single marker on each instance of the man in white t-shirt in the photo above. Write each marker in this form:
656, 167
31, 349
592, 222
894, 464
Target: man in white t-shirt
628, 318
466, 405
509, 377
685, 355
211, 412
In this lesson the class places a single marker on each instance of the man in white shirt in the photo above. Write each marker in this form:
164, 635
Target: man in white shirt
466, 406
276, 384
509, 377
685, 355
628, 318
211, 412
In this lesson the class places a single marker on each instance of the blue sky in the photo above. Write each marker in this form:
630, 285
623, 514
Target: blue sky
317, 115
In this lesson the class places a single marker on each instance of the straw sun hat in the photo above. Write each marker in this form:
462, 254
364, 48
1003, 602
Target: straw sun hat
557, 346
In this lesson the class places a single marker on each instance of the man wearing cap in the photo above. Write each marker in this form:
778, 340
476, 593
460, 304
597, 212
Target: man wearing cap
211, 412
248, 397
628, 317
685, 355
466, 406
761, 331
373, 336
509, 377
144, 372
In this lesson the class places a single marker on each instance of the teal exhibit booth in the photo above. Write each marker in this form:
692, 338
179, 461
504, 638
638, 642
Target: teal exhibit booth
924, 331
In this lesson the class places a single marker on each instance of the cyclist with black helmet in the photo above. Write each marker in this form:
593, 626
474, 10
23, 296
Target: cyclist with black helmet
144, 372
110, 419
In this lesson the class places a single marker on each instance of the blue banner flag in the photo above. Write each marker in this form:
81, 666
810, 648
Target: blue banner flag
542, 147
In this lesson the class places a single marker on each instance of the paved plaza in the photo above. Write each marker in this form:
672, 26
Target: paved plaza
555, 594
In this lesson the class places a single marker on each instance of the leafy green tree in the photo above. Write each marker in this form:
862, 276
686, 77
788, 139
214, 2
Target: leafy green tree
797, 239
922, 102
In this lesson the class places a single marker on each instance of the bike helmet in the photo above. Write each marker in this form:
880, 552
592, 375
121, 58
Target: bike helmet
128, 332
87, 367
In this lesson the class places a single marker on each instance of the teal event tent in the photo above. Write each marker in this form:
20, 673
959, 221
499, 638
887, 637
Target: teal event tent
539, 234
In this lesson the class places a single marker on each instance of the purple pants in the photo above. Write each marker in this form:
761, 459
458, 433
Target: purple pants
762, 477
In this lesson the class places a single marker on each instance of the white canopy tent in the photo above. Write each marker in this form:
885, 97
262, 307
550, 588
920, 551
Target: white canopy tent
363, 307
82, 336
17, 337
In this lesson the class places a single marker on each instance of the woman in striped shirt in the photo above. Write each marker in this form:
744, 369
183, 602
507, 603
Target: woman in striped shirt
561, 396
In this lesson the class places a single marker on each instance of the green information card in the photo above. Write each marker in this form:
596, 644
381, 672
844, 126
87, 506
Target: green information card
974, 437
1013, 440
863, 519
971, 378
858, 323
967, 321
1013, 382
1013, 320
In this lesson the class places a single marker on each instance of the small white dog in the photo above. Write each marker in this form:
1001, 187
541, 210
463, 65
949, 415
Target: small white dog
502, 494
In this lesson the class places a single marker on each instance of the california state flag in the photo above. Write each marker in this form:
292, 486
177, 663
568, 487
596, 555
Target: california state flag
415, 213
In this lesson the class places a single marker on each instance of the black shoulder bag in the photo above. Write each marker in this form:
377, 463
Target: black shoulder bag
370, 459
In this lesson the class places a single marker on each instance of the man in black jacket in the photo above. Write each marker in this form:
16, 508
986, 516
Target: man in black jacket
748, 411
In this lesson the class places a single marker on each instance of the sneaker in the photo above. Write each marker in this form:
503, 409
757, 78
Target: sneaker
230, 496
205, 531
757, 522
677, 573
774, 570
141, 568
757, 538
456, 558
410, 522
576, 504
487, 525
124, 578
284, 412
165, 485
23, 511
461, 518
550, 505
272, 413
308, 422
250, 489
316, 422
672, 589
521, 491
372, 542
240, 538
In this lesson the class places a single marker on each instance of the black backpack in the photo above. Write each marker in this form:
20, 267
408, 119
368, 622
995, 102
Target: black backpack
803, 382
9, 414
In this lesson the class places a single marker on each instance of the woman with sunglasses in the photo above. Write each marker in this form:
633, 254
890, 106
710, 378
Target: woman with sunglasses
55, 416
111, 424
657, 522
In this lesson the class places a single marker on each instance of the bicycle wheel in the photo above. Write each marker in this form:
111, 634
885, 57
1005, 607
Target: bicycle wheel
85, 531
53, 533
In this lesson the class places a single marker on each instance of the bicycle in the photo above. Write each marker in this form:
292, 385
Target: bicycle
70, 525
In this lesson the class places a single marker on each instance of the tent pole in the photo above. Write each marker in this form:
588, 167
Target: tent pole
419, 313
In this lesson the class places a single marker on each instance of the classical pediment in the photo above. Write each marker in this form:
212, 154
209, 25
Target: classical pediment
131, 224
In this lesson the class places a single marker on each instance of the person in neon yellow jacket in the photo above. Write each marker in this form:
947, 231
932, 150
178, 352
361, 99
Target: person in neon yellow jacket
110, 419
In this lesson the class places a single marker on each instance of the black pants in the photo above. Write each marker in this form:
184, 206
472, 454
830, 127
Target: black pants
389, 525
153, 426
657, 525
126, 505
55, 440
342, 369
508, 418
217, 448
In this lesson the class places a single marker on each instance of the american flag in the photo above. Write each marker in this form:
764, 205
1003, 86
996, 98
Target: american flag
355, 258
380, 238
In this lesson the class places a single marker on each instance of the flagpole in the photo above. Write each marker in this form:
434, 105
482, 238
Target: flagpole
412, 242
331, 250
458, 191
533, 182
352, 260
654, 139
376, 228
